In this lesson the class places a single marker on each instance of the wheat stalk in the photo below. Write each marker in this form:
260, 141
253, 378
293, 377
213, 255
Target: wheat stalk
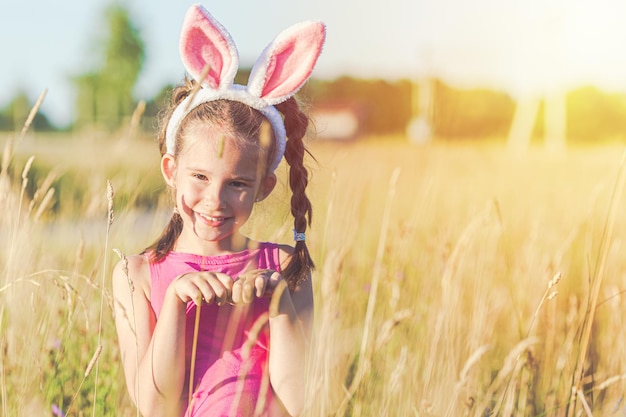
32, 114
198, 86
110, 217
463, 375
136, 118
548, 294
581, 397
6, 160
2, 372
598, 276
45, 190
194, 349
88, 369
363, 359
7, 154
44, 204
508, 367
25, 171
131, 287
253, 335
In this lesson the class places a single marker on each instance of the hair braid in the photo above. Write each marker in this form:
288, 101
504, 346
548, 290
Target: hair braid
296, 123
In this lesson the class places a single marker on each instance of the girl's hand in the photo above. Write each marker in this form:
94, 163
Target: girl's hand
258, 282
210, 287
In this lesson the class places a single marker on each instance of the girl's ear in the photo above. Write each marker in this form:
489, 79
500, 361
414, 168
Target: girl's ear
267, 186
168, 169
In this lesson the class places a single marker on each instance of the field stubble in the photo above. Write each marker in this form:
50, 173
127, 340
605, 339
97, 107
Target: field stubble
452, 279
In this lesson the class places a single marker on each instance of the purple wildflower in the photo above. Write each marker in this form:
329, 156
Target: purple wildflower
57, 411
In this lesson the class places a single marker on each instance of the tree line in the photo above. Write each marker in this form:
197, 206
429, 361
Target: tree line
104, 99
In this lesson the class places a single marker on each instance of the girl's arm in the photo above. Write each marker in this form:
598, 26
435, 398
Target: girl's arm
290, 333
153, 354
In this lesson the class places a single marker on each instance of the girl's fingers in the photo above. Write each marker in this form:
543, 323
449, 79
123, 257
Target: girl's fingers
209, 291
265, 282
236, 292
187, 290
272, 279
210, 287
244, 288
260, 283
219, 288
247, 292
222, 285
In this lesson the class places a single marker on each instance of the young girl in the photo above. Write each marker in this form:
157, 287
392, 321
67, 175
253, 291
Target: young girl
209, 322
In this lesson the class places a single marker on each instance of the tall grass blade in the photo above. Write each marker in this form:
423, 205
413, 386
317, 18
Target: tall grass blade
363, 358
597, 278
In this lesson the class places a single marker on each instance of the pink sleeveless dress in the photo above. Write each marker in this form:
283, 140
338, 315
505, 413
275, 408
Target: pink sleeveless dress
230, 376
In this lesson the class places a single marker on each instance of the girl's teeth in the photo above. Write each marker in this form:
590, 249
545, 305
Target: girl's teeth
213, 219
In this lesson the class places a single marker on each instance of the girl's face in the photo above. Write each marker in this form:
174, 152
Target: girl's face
216, 183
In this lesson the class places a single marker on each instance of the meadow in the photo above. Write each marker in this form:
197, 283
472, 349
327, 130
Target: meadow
453, 279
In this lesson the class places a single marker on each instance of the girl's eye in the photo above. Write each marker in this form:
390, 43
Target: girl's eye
238, 184
199, 176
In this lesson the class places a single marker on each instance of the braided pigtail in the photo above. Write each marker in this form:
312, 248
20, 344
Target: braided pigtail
166, 241
296, 123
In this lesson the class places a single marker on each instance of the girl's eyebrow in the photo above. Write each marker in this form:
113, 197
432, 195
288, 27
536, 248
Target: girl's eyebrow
235, 176
196, 169
243, 178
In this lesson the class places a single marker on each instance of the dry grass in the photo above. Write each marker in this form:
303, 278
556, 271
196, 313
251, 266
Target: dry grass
452, 279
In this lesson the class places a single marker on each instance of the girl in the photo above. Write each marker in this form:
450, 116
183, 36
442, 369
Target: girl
209, 322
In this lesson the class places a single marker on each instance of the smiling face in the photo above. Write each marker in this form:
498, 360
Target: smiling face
217, 181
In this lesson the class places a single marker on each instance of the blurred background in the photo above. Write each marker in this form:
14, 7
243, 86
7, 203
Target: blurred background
452, 69
454, 277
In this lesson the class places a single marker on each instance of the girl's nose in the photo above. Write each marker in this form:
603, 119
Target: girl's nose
213, 196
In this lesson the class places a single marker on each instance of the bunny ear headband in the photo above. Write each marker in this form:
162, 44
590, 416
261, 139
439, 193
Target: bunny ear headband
280, 71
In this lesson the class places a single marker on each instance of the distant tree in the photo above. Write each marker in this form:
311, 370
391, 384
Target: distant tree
105, 95
154, 106
384, 107
595, 115
471, 114
13, 116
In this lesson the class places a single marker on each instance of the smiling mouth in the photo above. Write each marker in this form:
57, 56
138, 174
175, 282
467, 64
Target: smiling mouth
212, 219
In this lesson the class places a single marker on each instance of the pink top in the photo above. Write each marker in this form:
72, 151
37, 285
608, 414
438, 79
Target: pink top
228, 380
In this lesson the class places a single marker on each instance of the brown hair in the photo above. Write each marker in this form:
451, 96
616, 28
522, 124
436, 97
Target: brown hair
246, 123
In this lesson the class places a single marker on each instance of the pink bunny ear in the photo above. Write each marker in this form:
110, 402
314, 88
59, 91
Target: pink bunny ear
204, 41
287, 62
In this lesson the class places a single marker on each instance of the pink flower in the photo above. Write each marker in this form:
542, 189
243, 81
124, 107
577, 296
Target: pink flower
57, 411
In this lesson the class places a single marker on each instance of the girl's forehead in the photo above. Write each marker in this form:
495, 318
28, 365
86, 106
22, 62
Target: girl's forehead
205, 136
207, 133
202, 141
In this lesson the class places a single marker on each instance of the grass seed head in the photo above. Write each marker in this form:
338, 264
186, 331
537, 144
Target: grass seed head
555, 280
110, 195
93, 361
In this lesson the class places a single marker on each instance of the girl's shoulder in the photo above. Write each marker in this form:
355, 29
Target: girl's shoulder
139, 264
284, 254
134, 269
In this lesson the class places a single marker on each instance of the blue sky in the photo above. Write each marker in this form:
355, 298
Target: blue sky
519, 46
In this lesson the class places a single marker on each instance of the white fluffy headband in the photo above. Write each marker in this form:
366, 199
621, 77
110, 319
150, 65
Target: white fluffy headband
280, 71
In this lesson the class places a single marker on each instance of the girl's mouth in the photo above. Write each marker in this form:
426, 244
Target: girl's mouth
211, 219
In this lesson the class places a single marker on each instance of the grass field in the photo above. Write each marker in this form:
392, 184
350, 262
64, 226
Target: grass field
453, 279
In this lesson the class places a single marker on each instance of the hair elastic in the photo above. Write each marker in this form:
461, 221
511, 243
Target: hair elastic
279, 72
298, 236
